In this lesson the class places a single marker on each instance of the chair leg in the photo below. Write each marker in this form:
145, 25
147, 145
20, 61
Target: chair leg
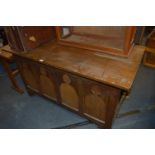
11, 77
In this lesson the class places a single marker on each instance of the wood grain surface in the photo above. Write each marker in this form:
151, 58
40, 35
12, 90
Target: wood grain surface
104, 68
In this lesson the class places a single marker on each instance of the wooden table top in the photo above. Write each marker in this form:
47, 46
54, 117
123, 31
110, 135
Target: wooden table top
115, 71
6, 55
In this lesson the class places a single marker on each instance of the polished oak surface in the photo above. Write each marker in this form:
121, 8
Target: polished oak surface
104, 68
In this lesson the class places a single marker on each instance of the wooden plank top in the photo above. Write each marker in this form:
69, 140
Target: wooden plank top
115, 71
6, 55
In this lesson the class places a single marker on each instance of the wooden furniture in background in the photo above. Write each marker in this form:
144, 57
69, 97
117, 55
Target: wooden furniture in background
116, 40
26, 38
140, 34
5, 59
3, 39
149, 56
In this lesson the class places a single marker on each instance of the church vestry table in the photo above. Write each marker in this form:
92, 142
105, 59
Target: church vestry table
90, 83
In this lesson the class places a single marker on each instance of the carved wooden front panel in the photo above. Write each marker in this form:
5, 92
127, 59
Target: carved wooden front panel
95, 101
30, 74
68, 88
47, 83
92, 99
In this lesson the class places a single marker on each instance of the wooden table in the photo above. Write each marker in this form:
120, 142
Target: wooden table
89, 83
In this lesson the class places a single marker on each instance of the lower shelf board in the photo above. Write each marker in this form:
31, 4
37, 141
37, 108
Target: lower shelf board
94, 118
33, 89
51, 98
70, 107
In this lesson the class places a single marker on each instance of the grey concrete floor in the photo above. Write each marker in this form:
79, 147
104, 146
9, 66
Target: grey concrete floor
22, 111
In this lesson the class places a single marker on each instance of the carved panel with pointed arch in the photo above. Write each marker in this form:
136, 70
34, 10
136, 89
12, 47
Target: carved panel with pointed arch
69, 92
47, 83
99, 101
